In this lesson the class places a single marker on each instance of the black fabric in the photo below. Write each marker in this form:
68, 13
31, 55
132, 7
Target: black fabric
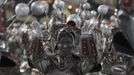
121, 44
6, 62
30, 63
96, 68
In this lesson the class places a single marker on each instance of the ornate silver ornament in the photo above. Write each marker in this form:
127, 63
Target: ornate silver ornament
39, 7
103, 9
22, 9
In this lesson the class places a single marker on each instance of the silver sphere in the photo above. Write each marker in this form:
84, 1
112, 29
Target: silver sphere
103, 9
86, 15
58, 4
2, 2
75, 18
39, 7
46, 6
22, 9
78, 10
57, 13
93, 13
86, 6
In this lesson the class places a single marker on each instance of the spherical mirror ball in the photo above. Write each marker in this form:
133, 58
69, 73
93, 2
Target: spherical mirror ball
86, 6
93, 13
75, 18
22, 9
2, 2
86, 15
59, 4
39, 7
103, 9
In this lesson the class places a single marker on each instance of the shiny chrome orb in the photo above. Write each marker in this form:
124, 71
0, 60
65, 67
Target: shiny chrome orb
39, 7
58, 4
93, 13
75, 18
22, 9
86, 15
2, 2
86, 6
103, 9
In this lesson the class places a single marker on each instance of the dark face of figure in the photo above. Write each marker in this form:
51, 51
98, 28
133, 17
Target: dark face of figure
65, 44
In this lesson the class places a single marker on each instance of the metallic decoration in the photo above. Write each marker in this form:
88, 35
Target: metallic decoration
85, 28
93, 13
102, 9
80, 42
57, 13
35, 30
2, 2
86, 6
59, 4
22, 9
89, 26
39, 7
114, 21
86, 15
94, 21
75, 18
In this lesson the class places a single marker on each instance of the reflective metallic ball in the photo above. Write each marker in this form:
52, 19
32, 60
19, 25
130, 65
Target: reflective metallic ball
86, 6
86, 15
58, 4
39, 7
103, 9
57, 13
22, 9
93, 13
75, 18
2, 2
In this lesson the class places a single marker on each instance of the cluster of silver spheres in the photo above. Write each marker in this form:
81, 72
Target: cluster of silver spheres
36, 8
